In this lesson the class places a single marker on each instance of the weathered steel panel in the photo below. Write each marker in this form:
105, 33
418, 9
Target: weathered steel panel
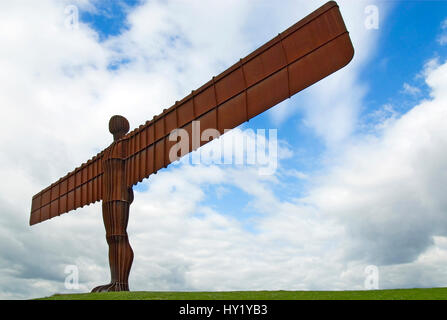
168, 158
232, 113
70, 201
71, 182
84, 174
150, 167
54, 208
78, 177
143, 138
137, 167
159, 155
230, 85
35, 217
143, 165
170, 122
78, 197
185, 113
207, 121
84, 195
159, 129
45, 212
63, 186
204, 101
89, 195
63, 204
55, 192
267, 93
46, 197
95, 194
36, 202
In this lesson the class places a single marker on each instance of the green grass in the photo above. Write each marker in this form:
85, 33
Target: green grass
398, 294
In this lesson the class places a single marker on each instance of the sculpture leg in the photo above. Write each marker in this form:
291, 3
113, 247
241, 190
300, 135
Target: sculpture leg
116, 200
116, 216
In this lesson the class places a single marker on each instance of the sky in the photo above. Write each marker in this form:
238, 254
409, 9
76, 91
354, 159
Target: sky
360, 172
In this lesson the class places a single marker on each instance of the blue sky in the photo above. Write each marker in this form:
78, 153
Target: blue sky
402, 50
360, 176
109, 18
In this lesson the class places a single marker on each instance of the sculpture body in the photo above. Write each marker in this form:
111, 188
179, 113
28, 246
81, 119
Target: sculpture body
302, 55
115, 208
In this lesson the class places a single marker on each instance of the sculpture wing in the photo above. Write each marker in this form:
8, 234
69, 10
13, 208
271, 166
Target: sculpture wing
307, 52
78, 188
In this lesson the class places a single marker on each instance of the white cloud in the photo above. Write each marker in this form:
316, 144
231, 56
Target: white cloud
411, 90
444, 24
298, 174
380, 119
387, 190
429, 66
442, 38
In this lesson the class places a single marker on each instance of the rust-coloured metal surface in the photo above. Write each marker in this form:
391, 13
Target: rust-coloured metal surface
115, 208
78, 188
305, 53
310, 50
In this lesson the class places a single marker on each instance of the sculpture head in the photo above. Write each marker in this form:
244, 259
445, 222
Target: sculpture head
118, 126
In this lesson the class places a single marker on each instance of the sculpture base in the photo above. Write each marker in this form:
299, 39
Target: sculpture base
112, 287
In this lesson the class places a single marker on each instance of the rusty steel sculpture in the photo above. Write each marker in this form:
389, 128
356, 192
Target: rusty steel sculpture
307, 52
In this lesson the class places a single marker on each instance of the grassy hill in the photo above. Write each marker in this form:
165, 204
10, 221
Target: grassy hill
398, 294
